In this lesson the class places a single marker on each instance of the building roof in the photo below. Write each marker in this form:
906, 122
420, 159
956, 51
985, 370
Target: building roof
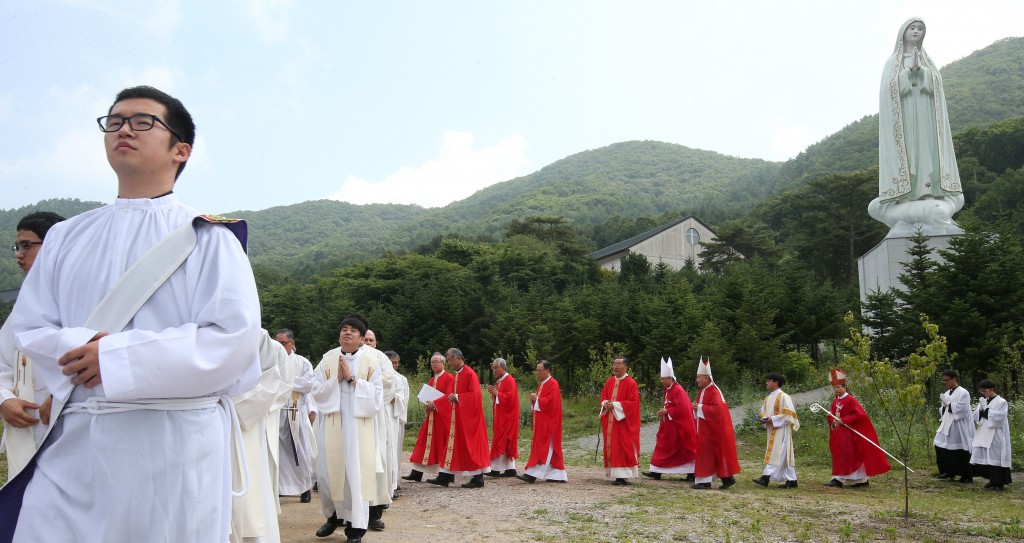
624, 245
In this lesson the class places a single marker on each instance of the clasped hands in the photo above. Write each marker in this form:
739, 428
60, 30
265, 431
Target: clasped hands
84, 362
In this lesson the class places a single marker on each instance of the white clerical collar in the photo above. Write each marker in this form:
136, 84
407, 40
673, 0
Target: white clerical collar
438, 374
460, 369
500, 378
623, 377
353, 353
775, 392
845, 394
546, 380
167, 199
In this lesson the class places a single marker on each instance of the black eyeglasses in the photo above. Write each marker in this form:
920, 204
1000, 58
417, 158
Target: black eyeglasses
140, 122
23, 246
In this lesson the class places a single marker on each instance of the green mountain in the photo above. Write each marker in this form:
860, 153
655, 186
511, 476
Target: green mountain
621, 182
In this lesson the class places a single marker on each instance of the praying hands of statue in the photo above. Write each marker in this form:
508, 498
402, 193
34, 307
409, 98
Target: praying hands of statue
84, 363
915, 60
15, 412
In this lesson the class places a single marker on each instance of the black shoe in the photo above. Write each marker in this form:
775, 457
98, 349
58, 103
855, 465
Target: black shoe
944, 476
556, 481
395, 496
416, 475
835, 483
966, 479
439, 481
655, 476
997, 488
493, 473
526, 478
762, 480
509, 473
859, 485
727, 482
620, 482
306, 497
788, 484
354, 540
701, 486
376, 525
329, 527
398, 488
476, 482
689, 478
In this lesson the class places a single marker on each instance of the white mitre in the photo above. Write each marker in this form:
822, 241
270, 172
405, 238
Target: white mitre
704, 367
666, 368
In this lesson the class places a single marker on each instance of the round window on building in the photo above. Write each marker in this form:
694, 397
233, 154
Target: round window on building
692, 236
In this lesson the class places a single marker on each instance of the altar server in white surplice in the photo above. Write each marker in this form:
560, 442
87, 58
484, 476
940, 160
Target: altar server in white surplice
254, 514
20, 396
956, 431
348, 393
297, 451
385, 447
990, 454
143, 450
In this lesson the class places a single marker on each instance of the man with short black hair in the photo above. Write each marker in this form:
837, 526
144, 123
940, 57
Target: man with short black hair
20, 395
778, 415
546, 460
990, 454
143, 448
956, 431
349, 393
620, 424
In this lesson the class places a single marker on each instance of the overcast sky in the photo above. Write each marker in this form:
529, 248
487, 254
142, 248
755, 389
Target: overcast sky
425, 102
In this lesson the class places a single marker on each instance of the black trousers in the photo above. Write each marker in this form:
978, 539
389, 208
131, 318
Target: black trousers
996, 475
954, 462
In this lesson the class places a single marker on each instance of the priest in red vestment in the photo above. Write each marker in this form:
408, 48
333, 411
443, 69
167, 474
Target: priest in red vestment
546, 451
853, 458
432, 441
467, 454
504, 421
620, 423
716, 441
676, 447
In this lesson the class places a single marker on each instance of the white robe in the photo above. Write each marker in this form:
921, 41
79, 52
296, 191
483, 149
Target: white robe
779, 460
385, 437
956, 431
140, 475
354, 408
398, 411
296, 464
254, 514
18, 381
992, 440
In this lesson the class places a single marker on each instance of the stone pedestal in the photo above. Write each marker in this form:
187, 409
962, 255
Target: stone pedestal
880, 268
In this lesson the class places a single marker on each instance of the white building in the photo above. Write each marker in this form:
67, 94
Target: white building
673, 244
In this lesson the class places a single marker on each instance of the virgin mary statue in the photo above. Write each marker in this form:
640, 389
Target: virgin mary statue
918, 182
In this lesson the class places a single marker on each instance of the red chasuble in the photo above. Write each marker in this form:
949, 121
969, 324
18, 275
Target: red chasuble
547, 426
467, 431
433, 439
677, 431
505, 419
849, 451
621, 437
716, 441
